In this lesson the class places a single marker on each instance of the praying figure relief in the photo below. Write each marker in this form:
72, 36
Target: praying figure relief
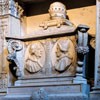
35, 57
64, 55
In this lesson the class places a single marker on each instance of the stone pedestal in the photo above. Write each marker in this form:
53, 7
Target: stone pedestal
95, 94
50, 82
48, 88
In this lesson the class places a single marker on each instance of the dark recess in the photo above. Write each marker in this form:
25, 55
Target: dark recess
37, 8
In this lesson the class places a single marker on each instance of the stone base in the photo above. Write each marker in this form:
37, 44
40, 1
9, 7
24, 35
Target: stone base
47, 88
3, 92
16, 97
67, 96
95, 94
80, 80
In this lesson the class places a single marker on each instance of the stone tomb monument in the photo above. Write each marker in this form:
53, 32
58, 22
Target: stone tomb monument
49, 64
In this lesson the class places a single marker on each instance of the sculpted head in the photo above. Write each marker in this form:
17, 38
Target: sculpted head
35, 49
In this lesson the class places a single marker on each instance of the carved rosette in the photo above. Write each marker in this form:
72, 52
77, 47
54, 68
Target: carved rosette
63, 55
34, 57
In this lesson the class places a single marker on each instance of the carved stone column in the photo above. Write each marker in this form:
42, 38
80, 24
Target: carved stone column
82, 50
97, 55
96, 90
10, 14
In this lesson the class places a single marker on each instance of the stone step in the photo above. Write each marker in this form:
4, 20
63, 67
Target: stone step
37, 82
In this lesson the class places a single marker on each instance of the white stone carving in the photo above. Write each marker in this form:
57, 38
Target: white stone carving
57, 13
63, 55
83, 39
13, 47
82, 50
34, 57
10, 7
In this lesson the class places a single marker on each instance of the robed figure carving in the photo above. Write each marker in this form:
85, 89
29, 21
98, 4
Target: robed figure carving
64, 58
64, 55
33, 61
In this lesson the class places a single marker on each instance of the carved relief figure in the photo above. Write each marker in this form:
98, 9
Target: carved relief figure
64, 59
34, 58
64, 55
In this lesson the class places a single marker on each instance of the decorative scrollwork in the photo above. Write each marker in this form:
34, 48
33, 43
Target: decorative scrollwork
13, 47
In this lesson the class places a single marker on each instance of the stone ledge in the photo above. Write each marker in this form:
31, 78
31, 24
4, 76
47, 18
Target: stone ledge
41, 33
67, 96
